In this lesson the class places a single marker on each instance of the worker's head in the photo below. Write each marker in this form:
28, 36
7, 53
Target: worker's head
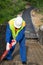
18, 22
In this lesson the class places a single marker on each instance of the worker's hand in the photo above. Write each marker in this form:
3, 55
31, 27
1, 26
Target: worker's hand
7, 46
13, 42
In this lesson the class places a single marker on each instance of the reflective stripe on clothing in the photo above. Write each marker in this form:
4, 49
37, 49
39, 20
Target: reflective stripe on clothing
11, 24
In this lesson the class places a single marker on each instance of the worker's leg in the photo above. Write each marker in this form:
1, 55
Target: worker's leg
9, 55
23, 49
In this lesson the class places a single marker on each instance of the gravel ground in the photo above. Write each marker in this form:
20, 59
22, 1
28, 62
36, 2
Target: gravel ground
34, 54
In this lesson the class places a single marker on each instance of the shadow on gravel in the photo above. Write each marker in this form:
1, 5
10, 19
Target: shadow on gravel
27, 17
30, 28
17, 52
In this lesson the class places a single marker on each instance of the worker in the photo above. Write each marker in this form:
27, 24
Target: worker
16, 31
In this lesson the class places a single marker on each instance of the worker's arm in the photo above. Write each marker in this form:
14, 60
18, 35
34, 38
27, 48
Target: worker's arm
9, 40
8, 34
20, 35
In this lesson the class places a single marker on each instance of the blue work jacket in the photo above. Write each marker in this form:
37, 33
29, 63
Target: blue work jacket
9, 37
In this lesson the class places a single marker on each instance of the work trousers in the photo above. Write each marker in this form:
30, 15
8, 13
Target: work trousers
22, 50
